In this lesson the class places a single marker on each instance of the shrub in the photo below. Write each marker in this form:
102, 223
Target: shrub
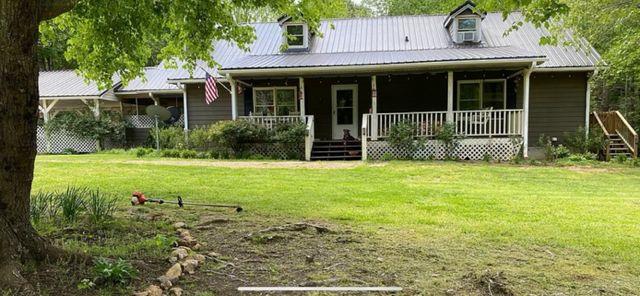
620, 159
201, 138
581, 157
402, 138
108, 126
446, 135
549, 149
170, 137
100, 207
171, 153
561, 151
188, 154
233, 134
69, 151
141, 152
292, 133
72, 203
107, 272
579, 142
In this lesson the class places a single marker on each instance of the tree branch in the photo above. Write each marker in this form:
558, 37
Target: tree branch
48, 9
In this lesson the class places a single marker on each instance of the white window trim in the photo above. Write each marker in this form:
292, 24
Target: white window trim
481, 82
273, 89
305, 35
457, 29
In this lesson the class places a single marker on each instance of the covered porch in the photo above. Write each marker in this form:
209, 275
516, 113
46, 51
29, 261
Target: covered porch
485, 106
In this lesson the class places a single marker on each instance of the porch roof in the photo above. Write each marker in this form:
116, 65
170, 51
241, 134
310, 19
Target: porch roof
68, 84
452, 55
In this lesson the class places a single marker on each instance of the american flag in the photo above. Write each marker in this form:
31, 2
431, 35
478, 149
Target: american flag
210, 89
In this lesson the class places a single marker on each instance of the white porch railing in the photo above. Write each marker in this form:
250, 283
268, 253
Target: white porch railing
146, 121
270, 122
309, 137
476, 123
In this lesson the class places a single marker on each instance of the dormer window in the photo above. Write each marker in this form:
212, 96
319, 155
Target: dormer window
296, 36
468, 29
464, 22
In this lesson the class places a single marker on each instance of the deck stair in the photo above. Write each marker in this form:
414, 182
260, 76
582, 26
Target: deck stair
336, 150
622, 138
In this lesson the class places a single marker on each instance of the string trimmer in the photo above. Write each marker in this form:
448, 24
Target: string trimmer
138, 199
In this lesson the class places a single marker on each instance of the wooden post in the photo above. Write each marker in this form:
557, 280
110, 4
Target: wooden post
525, 105
374, 108
301, 97
234, 97
450, 97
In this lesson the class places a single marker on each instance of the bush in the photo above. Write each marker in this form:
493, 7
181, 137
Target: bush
292, 133
579, 142
171, 153
561, 151
402, 138
108, 126
119, 272
446, 135
141, 152
620, 159
100, 207
72, 203
580, 157
170, 137
188, 154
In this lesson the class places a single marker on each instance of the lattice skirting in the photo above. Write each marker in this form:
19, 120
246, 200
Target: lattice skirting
58, 142
503, 149
277, 150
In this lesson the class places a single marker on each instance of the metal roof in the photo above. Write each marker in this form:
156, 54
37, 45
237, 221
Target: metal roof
380, 57
66, 83
357, 39
154, 79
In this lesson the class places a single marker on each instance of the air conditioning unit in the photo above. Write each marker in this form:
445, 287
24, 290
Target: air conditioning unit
466, 36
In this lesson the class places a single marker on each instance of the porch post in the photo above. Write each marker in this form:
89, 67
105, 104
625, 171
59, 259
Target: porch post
301, 97
525, 105
374, 108
587, 111
185, 108
234, 97
450, 97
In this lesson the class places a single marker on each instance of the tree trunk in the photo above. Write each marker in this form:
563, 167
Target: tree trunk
18, 118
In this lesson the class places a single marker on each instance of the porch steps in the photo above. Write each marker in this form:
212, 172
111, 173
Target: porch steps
618, 147
336, 150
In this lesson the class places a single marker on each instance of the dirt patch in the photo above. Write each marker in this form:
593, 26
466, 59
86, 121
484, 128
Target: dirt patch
490, 283
590, 170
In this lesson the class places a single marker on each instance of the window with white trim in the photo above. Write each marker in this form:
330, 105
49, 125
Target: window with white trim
482, 94
270, 101
468, 29
296, 35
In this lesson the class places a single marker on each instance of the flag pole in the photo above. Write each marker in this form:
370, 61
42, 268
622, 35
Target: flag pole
223, 86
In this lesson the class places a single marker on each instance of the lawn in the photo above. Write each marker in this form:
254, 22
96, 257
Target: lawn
543, 230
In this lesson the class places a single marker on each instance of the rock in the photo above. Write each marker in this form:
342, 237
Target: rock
198, 257
183, 232
154, 291
214, 254
175, 292
189, 266
180, 253
143, 293
165, 282
178, 225
197, 246
174, 272
173, 259
187, 241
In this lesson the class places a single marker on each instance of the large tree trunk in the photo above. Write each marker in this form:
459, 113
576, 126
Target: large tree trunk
18, 118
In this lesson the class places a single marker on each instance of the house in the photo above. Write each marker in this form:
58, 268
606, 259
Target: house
499, 91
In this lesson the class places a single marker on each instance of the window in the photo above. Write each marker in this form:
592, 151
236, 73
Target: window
467, 29
270, 101
296, 35
467, 24
482, 94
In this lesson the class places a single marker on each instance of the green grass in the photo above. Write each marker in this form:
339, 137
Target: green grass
474, 215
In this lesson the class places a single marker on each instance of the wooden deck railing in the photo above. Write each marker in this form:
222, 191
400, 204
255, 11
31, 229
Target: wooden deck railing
612, 122
476, 123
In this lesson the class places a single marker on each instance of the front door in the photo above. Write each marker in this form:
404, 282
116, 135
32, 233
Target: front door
344, 109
